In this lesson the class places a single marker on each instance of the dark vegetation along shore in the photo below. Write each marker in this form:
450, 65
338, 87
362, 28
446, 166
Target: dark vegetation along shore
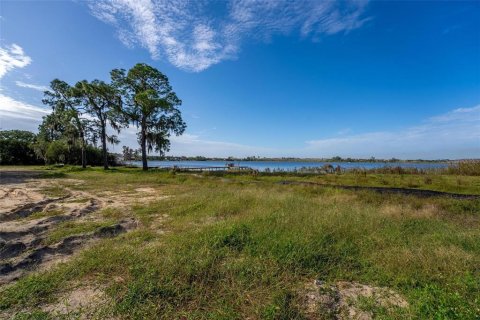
129, 244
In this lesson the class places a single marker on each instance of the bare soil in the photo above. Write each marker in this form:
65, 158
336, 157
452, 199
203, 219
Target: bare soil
348, 300
80, 303
28, 215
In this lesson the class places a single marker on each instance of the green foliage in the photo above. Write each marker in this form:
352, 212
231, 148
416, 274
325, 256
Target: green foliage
65, 121
151, 104
16, 147
103, 102
143, 96
57, 152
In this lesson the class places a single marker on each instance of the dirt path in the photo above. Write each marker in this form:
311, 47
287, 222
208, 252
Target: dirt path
28, 216
403, 191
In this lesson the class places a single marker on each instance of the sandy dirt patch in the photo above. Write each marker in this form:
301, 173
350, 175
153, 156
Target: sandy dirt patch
348, 300
80, 303
28, 216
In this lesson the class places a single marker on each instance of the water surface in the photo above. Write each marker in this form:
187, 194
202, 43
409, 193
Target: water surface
290, 165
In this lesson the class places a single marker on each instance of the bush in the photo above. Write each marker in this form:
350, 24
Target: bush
57, 152
16, 148
19, 147
60, 152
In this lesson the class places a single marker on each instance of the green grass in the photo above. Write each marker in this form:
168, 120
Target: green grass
70, 228
54, 191
242, 246
44, 214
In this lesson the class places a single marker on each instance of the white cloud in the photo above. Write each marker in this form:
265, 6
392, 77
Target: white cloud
455, 134
460, 114
193, 37
12, 57
16, 114
31, 86
12, 108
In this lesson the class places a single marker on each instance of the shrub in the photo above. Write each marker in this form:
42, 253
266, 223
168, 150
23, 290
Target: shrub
16, 148
57, 152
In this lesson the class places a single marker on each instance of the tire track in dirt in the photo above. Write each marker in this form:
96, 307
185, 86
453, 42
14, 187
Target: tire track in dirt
29, 208
23, 235
67, 246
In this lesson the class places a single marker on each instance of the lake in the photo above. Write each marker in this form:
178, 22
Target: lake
290, 165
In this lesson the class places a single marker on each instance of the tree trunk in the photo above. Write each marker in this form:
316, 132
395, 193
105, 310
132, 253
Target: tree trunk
84, 156
143, 142
82, 138
104, 147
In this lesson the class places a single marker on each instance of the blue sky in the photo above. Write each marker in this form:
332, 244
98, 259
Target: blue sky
266, 78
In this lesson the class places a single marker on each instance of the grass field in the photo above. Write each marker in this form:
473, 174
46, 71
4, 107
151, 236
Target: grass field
244, 247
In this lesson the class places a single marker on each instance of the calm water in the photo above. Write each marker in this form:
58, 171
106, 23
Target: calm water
290, 165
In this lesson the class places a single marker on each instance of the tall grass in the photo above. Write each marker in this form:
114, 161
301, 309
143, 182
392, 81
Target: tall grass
242, 247
466, 168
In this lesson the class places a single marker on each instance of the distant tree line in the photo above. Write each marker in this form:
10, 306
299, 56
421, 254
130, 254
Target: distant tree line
292, 159
84, 115
19, 147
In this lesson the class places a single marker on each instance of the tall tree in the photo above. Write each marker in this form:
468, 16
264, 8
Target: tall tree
101, 101
65, 104
150, 104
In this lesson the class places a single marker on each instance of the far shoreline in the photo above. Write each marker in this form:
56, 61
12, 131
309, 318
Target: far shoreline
294, 159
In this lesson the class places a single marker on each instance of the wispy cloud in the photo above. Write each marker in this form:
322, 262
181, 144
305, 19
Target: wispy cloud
454, 134
11, 108
460, 114
12, 57
192, 36
31, 86
15, 114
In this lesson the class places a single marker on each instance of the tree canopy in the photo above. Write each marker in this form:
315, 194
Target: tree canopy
151, 104
66, 105
89, 111
16, 147
103, 103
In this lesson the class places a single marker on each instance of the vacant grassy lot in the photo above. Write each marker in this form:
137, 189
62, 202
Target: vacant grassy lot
245, 247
